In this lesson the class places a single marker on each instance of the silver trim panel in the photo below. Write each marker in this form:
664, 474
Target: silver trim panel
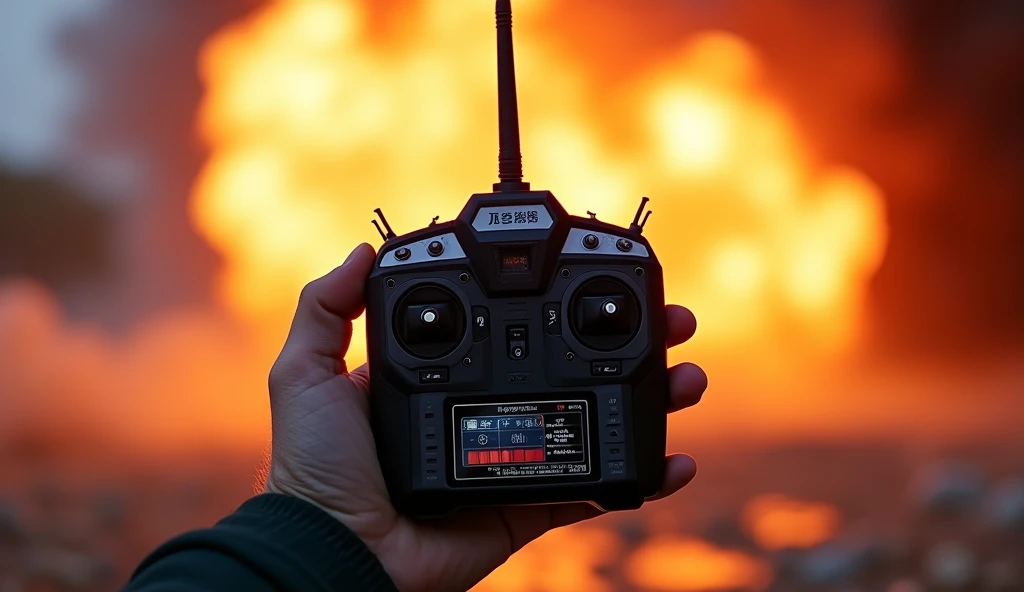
419, 254
574, 244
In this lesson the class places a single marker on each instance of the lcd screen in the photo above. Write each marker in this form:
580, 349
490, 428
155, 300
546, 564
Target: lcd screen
539, 439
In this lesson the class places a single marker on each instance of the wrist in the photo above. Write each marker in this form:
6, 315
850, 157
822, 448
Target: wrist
303, 535
283, 488
373, 534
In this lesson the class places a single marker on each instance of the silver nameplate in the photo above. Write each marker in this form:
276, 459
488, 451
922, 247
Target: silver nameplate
532, 217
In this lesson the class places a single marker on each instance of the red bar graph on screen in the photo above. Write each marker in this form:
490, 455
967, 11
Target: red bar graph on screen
504, 456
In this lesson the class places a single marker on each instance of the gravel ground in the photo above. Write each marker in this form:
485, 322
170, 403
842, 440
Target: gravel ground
892, 517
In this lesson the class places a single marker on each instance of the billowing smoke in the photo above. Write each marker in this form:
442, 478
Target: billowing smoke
136, 345
185, 378
133, 142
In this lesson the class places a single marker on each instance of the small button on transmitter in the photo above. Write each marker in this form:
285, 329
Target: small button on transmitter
591, 241
611, 368
553, 318
434, 376
481, 323
435, 248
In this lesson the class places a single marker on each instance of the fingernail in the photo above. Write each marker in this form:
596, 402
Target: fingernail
352, 254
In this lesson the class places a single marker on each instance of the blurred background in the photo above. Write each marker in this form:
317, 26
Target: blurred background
838, 193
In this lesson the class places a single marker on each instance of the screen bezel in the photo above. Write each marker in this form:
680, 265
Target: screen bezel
591, 436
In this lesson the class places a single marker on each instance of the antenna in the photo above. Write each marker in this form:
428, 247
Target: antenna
390, 233
377, 226
510, 156
637, 226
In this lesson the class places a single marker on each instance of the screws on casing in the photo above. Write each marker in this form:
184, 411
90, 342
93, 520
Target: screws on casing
639, 272
389, 283
464, 278
467, 361
566, 273
569, 356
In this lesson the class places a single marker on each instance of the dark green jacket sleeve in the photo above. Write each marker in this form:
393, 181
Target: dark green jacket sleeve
273, 543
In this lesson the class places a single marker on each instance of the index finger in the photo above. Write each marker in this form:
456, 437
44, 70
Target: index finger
681, 324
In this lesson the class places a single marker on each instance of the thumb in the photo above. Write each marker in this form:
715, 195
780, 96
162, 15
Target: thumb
322, 328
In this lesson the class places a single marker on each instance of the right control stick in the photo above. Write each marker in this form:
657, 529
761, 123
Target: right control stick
604, 314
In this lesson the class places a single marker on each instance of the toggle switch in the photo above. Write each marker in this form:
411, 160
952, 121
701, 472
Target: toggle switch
517, 349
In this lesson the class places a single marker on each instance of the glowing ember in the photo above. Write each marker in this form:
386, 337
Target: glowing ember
313, 121
682, 564
557, 562
779, 522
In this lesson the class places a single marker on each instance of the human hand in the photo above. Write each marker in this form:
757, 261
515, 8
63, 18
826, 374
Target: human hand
323, 449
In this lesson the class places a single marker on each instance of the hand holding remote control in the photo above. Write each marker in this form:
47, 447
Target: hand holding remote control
324, 451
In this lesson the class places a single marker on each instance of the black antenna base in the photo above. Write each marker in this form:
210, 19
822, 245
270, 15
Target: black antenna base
511, 187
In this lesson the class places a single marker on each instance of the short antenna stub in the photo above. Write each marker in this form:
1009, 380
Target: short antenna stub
638, 226
390, 233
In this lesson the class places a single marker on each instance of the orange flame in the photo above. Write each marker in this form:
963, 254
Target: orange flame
557, 562
682, 564
312, 122
778, 522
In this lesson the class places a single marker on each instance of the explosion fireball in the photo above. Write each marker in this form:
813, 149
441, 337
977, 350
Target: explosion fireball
313, 120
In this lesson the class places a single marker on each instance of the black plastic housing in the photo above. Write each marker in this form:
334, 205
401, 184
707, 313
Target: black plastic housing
412, 399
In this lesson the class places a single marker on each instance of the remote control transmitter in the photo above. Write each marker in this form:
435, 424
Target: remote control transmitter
517, 353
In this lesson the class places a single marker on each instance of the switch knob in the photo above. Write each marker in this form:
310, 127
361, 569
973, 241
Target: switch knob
517, 343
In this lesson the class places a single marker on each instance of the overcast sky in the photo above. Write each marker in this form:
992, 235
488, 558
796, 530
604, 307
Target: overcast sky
36, 90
